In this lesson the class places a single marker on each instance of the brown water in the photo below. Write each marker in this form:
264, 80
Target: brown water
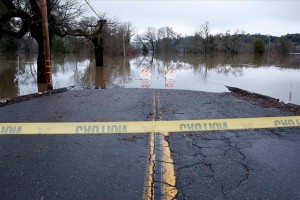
274, 76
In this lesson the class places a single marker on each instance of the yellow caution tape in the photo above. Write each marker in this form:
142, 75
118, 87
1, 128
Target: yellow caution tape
149, 126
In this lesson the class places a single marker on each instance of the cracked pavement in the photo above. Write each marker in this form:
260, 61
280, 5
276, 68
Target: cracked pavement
250, 164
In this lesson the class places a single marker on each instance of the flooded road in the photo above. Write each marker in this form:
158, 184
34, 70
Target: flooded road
224, 164
274, 76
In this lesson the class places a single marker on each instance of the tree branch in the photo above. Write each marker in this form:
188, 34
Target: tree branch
4, 30
8, 4
35, 7
14, 34
14, 13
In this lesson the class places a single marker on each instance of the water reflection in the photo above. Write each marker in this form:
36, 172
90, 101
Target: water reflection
273, 76
8, 81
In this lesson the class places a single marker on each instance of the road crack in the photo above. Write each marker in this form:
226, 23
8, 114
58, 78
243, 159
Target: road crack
161, 182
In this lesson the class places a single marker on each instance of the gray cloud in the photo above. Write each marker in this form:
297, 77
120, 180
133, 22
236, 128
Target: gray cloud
265, 17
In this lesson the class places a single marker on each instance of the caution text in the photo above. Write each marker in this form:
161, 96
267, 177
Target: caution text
102, 129
10, 129
203, 126
287, 123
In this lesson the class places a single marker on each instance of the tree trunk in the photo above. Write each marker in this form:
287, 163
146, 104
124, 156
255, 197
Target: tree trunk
37, 34
152, 45
41, 68
98, 49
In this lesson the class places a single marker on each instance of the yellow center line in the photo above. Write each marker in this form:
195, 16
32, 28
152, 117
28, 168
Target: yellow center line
168, 182
169, 179
160, 177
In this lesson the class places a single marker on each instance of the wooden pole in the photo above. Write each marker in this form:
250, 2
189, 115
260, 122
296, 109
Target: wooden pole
46, 45
124, 43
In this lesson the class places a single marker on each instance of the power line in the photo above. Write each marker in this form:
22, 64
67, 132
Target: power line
92, 9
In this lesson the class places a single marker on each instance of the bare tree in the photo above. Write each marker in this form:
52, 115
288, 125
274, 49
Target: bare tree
166, 35
150, 37
231, 42
283, 45
203, 34
125, 32
107, 35
128, 31
62, 15
139, 39
92, 29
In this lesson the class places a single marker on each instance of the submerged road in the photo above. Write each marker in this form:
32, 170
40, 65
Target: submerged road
248, 164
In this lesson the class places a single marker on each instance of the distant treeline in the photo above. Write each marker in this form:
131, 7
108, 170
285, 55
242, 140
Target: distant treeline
228, 43
165, 40
243, 43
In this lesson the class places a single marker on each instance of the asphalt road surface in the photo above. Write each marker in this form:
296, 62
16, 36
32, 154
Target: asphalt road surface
251, 164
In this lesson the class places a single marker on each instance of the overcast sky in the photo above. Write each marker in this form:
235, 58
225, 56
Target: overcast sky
264, 17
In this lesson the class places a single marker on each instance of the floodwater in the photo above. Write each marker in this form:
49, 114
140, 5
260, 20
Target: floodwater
274, 76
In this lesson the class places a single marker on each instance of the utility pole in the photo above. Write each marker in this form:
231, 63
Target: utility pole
46, 45
124, 43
